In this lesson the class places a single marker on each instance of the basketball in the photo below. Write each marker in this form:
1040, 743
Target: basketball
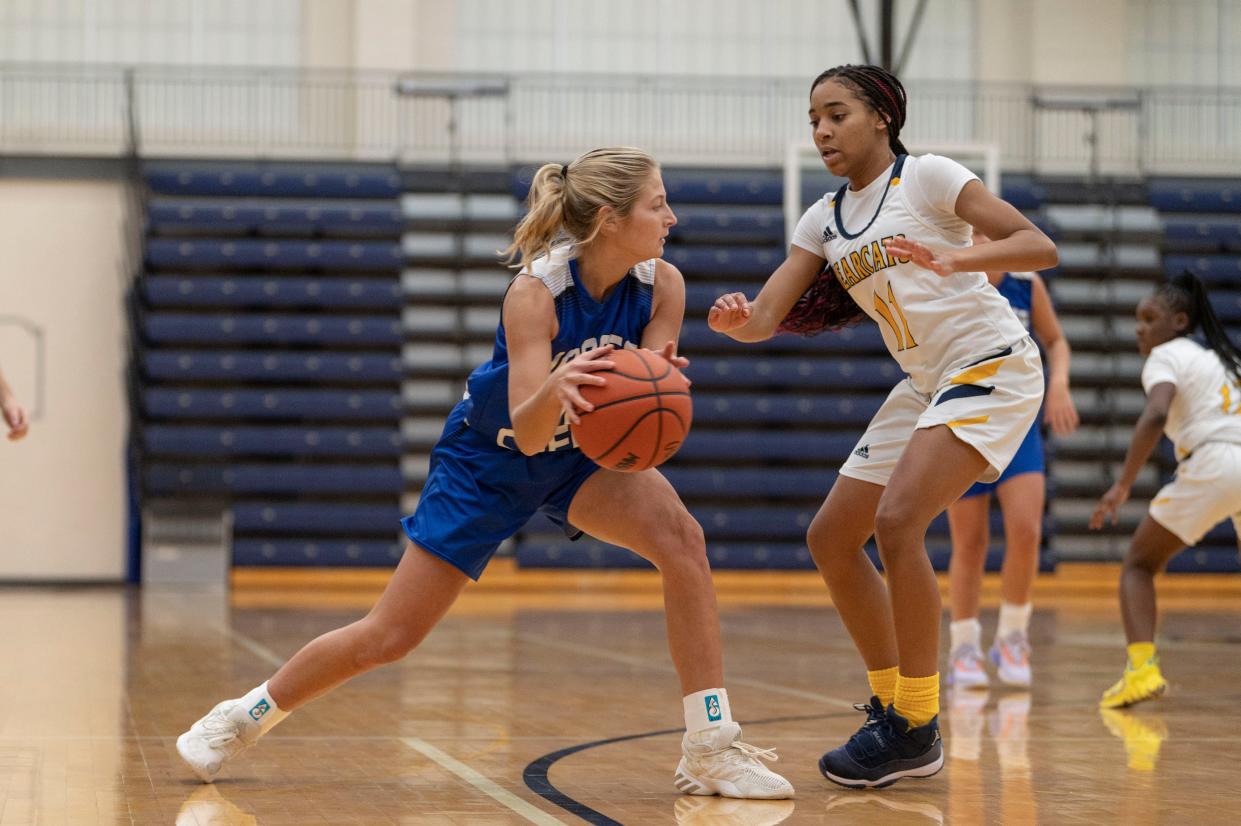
641, 415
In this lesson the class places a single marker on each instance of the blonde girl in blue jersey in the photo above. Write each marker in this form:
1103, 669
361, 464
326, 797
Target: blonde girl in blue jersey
592, 279
1193, 394
894, 244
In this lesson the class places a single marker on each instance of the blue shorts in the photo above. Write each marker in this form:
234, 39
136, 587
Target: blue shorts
478, 494
1027, 459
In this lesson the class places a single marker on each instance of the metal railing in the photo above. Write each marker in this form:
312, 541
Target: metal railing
356, 115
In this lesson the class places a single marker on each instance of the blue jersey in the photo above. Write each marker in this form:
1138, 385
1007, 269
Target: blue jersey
1019, 290
582, 324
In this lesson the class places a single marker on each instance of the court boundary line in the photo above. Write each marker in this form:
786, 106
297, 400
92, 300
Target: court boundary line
536, 771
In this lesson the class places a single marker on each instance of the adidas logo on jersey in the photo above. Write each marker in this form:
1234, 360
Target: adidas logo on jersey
862, 452
828, 235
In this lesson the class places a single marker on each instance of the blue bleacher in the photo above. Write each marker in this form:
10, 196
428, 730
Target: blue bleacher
805, 373
278, 330
273, 216
700, 224
782, 445
280, 292
270, 403
1212, 269
272, 478
862, 338
274, 180
253, 440
316, 552
293, 518
1202, 233
214, 365
1195, 194
786, 408
720, 260
229, 253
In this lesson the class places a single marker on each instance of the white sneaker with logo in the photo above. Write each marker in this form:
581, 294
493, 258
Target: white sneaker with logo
715, 761
966, 668
1011, 656
220, 736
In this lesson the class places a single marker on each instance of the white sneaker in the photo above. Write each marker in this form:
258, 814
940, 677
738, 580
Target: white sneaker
215, 739
966, 668
722, 811
715, 761
1011, 656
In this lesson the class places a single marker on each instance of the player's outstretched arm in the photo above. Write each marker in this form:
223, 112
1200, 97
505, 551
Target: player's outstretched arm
1058, 409
1146, 434
737, 317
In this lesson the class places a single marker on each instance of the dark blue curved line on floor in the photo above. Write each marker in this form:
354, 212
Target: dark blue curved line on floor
535, 774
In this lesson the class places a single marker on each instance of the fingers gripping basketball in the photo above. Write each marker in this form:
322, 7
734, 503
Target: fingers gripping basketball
641, 415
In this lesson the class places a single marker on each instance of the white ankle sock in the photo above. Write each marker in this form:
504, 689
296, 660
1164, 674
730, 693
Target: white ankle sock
1014, 618
259, 708
965, 632
706, 709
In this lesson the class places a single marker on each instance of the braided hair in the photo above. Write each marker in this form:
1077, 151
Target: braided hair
1185, 293
826, 305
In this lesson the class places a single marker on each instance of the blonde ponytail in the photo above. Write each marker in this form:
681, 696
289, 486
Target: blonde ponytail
564, 201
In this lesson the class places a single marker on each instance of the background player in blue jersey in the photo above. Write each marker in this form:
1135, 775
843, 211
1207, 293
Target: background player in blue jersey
592, 281
1021, 490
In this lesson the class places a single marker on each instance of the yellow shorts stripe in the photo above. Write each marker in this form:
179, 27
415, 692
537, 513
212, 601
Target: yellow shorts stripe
977, 374
970, 420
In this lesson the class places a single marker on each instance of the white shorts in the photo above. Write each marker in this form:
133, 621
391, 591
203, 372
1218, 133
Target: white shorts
989, 405
1205, 492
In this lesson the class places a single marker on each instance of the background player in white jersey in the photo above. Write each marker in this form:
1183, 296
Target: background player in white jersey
1193, 393
592, 241
894, 244
1021, 490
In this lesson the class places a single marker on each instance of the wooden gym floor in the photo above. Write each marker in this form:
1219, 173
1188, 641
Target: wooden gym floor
549, 697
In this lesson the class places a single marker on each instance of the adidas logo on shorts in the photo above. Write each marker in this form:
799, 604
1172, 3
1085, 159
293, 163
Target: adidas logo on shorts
862, 452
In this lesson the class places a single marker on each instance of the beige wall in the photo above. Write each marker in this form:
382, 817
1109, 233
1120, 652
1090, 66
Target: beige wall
1054, 41
62, 489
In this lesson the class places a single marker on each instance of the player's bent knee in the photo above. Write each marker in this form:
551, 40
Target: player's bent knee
387, 645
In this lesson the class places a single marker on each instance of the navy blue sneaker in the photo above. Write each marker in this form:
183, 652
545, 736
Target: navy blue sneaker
884, 750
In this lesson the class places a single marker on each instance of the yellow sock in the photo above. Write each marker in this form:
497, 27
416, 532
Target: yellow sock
1140, 653
917, 699
883, 684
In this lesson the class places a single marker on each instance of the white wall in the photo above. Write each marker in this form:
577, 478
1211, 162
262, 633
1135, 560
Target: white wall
62, 489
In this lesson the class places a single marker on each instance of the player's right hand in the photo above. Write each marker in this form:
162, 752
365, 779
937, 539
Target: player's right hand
566, 381
15, 417
729, 312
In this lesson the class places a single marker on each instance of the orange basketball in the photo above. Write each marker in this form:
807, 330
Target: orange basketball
641, 415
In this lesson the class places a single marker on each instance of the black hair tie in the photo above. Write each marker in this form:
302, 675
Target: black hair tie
564, 170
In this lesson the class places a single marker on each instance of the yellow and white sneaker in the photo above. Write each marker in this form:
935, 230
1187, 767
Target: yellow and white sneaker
1143, 737
715, 761
221, 735
1137, 684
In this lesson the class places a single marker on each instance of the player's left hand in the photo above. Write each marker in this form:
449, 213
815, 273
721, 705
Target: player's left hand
1059, 412
669, 354
1105, 511
937, 260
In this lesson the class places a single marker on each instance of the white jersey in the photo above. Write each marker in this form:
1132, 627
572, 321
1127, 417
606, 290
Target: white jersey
1207, 404
932, 324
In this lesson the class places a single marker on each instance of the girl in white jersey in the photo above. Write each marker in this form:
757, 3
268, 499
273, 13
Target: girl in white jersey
1193, 393
894, 244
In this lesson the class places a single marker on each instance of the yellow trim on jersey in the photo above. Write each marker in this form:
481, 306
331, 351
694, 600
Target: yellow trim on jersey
1161, 500
977, 374
970, 420
895, 182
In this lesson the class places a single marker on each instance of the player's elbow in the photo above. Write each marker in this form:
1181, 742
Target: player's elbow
1049, 256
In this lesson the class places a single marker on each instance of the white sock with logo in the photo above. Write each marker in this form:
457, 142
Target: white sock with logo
706, 709
965, 632
259, 708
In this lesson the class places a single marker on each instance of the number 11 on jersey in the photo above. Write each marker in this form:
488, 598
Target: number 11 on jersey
904, 338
